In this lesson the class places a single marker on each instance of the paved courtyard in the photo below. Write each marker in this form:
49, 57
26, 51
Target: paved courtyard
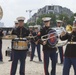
32, 68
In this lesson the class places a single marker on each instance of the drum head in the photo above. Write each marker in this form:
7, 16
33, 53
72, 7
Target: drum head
53, 38
9, 37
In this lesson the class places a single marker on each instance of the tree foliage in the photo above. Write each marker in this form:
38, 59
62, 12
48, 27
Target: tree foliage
64, 17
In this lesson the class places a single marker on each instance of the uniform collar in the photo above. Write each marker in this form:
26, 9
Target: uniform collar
21, 27
47, 27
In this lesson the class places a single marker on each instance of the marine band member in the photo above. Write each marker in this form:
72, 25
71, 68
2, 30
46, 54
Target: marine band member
1, 34
49, 52
60, 48
70, 51
20, 55
34, 45
16, 25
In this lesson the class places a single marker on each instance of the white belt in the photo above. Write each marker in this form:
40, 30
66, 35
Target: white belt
71, 42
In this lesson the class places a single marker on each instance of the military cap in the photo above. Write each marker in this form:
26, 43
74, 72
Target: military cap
46, 19
30, 26
58, 21
15, 21
20, 18
35, 26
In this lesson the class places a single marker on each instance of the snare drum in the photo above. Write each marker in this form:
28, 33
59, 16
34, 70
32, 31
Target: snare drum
19, 44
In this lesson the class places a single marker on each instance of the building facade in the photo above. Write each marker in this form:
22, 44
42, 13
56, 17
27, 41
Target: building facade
55, 9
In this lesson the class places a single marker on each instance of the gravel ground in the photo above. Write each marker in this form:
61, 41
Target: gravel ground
32, 68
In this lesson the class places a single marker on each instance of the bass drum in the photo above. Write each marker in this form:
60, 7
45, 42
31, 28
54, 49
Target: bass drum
53, 38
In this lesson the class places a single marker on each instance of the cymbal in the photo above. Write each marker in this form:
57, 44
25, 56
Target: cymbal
9, 37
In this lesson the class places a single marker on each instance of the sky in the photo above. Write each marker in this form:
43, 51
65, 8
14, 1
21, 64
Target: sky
15, 8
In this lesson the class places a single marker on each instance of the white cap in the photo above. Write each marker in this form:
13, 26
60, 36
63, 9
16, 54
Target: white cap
46, 19
30, 26
21, 18
35, 26
15, 21
59, 21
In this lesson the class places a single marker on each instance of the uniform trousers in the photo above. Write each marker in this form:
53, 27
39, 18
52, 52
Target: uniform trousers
18, 55
67, 65
52, 56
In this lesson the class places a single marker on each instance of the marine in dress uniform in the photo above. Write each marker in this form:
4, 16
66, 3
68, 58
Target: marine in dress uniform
31, 31
49, 52
1, 34
34, 45
16, 25
70, 51
60, 48
20, 55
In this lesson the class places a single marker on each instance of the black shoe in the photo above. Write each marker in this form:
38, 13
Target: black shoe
61, 63
9, 60
40, 60
31, 60
1, 62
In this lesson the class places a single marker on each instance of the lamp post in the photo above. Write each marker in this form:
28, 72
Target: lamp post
29, 14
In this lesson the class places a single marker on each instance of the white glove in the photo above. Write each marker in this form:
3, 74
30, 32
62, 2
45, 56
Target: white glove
63, 33
44, 42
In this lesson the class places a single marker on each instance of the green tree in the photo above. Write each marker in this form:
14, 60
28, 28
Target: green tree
64, 17
53, 20
71, 20
66, 20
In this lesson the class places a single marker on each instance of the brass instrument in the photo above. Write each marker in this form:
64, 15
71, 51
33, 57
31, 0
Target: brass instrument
69, 28
59, 42
47, 36
1, 12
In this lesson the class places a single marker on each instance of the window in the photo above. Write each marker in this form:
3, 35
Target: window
50, 7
